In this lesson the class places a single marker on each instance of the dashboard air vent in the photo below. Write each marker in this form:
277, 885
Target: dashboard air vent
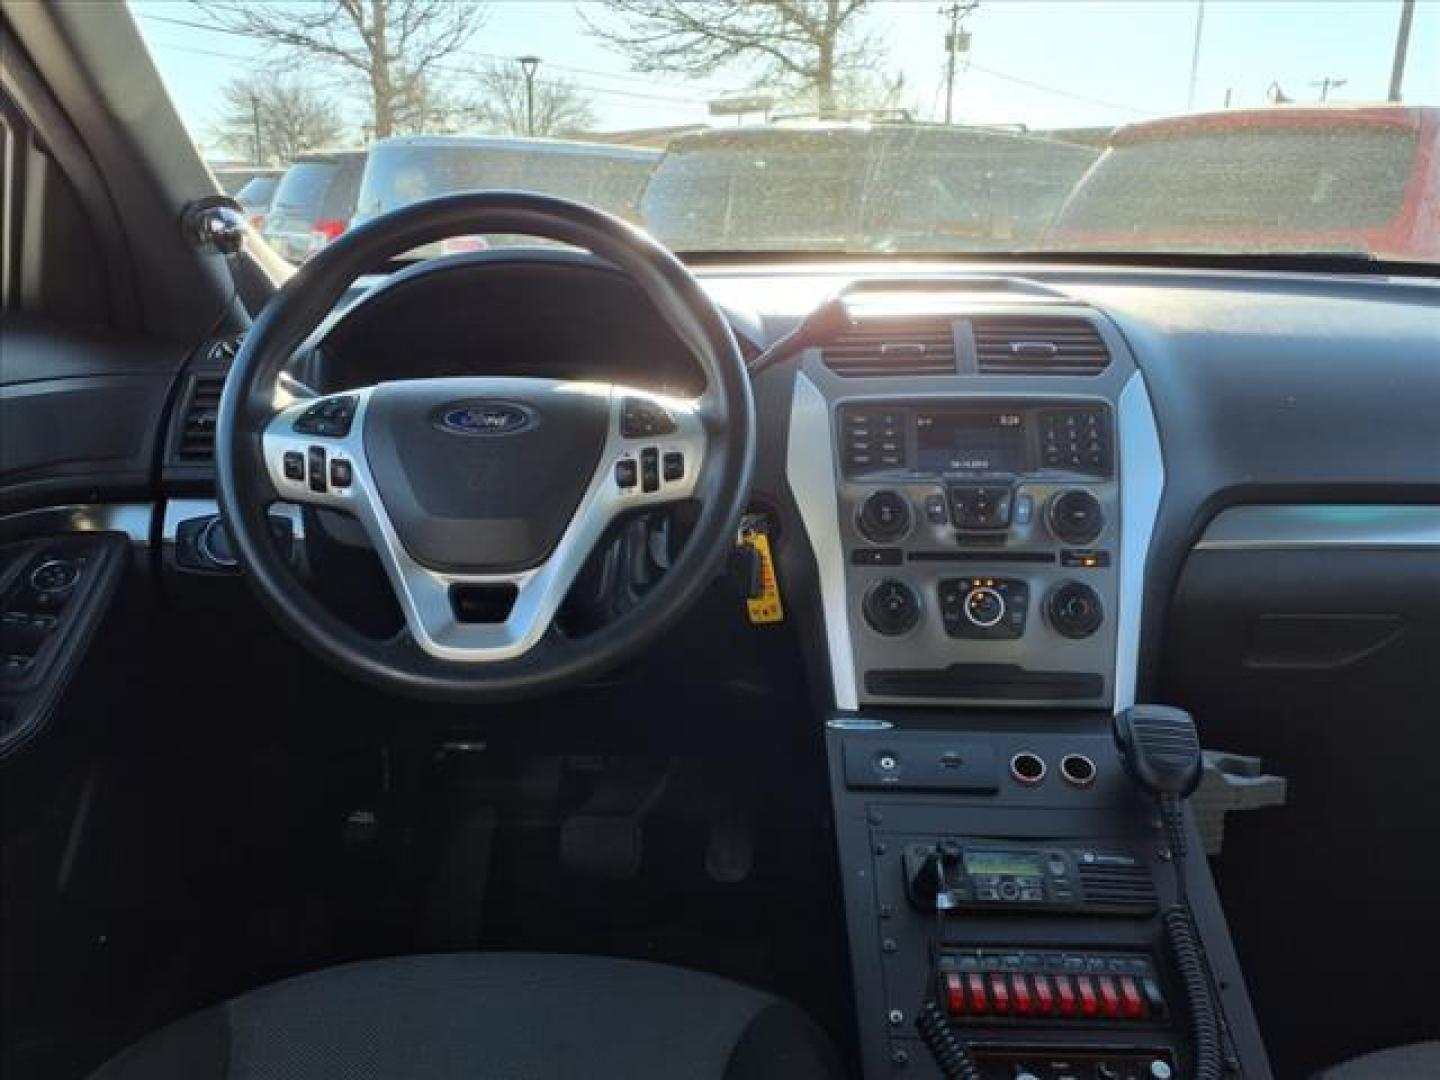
196, 442
1037, 346
908, 347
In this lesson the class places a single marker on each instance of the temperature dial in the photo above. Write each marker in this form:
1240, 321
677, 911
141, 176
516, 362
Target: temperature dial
1074, 609
891, 607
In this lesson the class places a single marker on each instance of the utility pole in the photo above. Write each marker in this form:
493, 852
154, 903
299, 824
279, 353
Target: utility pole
528, 64
255, 121
956, 41
1402, 46
1195, 53
1327, 84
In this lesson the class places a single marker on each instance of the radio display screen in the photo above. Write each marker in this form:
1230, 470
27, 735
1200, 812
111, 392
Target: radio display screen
1004, 864
969, 441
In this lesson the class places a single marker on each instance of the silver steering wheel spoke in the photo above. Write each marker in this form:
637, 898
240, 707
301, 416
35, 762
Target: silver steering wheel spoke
654, 453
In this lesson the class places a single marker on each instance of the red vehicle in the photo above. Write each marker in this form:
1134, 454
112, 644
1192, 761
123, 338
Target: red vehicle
1343, 179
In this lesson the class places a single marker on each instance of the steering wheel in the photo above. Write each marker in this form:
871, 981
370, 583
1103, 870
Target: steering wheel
484, 497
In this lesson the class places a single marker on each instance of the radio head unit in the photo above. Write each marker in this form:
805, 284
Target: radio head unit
950, 438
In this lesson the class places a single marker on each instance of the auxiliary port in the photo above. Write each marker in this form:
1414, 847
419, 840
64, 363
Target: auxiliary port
1078, 769
1027, 768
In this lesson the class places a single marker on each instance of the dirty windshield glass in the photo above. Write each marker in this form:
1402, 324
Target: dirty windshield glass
884, 127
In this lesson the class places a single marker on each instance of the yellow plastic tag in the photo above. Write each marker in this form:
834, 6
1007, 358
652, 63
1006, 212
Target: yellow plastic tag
765, 608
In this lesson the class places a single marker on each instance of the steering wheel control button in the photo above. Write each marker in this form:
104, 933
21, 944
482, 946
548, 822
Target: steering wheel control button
627, 473
55, 576
1075, 516
317, 469
342, 475
649, 469
984, 609
642, 419
980, 506
673, 467
884, 517
891, 608
294, 463
1074, 609
331, 417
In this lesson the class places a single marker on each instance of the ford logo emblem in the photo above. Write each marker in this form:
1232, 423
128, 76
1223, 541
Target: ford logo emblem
485, 418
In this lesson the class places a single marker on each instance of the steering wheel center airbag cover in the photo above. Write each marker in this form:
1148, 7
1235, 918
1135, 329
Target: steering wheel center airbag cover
484, 484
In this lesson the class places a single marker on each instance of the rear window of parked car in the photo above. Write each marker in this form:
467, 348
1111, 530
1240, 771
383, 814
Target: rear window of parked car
1263, 178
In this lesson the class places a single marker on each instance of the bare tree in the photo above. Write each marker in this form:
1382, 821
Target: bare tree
397, 47
560, 107
807, 46
271, 118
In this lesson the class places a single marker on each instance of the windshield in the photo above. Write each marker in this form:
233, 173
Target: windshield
609, 177
1272, 186
798, 126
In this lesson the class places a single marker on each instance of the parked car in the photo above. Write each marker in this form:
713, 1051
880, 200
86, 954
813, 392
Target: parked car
1346, 179
314, 202
234, 178
406, 169
257, 195
847, 186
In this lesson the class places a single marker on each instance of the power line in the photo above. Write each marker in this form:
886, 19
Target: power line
594, 73
599, 90
1059, 92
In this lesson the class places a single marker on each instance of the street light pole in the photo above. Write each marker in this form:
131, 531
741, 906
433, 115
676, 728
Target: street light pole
1402, 46
528, 64
1195, 53
1327, 84
255, 121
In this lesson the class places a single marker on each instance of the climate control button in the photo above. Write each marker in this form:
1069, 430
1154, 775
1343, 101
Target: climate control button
891, 607
1074, 516
1074, 609
884, 517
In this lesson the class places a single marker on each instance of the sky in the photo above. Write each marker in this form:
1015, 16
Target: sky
1041, 63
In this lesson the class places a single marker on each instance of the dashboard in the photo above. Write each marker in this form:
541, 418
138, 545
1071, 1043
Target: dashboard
1004, 504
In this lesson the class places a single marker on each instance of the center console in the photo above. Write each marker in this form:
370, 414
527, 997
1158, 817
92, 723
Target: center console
981, 540
1017, 880
978, 480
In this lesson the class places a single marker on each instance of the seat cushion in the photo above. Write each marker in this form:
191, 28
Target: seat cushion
517, 1016
1416, 1059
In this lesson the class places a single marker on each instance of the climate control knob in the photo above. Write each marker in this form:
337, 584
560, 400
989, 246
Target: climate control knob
891, 607
984, 607
1074, 610
884, 517
1074, 516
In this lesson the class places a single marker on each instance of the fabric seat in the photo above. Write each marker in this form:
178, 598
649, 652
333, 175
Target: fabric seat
516, 1016
1414, 1060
